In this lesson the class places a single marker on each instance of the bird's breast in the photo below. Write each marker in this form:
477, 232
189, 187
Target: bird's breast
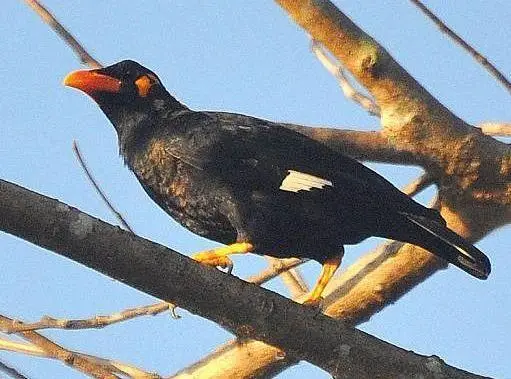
183, 191
164, 174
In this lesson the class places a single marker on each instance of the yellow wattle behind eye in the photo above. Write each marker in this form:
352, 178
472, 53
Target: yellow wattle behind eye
143, 84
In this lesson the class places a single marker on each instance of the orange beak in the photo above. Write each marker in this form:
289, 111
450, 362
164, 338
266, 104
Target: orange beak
91, 81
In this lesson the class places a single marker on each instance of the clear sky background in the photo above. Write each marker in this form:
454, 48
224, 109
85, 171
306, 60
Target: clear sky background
246, 57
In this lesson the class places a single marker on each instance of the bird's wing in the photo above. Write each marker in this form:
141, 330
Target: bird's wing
277, 153
256, 154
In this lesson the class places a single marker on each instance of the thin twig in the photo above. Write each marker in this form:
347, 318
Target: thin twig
295, 282
88, 60
460, 41
114, 366
56, 351
96, 322
275, 269
48, 18
336, 69
292, 278
11, 371
110, 206
502, 129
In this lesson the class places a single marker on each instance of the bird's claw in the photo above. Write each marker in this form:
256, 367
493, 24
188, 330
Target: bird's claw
215, 261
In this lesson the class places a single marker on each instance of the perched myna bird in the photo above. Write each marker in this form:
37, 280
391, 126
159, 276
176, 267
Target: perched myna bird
255, 185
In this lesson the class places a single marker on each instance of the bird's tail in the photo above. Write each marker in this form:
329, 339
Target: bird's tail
443, 242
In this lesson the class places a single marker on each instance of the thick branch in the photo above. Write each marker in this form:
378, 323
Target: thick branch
366, 146
240, 307
367, 286
412, 119
502, 129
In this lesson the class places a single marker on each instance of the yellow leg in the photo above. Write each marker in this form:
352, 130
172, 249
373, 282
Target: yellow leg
328, 270
219, 257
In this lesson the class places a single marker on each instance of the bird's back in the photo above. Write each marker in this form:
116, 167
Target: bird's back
199, 166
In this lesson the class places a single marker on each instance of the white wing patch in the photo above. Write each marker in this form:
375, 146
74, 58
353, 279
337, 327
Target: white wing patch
298, 181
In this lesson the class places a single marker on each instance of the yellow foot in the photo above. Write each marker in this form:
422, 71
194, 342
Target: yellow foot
314, 298
219, 257
214, 261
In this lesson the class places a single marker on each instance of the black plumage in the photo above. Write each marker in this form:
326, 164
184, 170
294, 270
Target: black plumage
234, 178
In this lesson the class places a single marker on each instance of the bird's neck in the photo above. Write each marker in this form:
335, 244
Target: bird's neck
136, 126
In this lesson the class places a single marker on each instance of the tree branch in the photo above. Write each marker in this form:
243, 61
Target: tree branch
48, 18
412, 119
502, 129
348, 89
276, 267
109, 365
244, 309
289, 274
58, 352
98, 189
366, 146
96, 322
481, 59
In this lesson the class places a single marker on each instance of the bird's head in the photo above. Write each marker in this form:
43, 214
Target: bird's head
127, 92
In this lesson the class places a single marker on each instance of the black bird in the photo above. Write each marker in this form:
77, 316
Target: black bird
255, 185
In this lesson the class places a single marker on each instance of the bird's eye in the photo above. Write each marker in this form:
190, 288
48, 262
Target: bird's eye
144, 84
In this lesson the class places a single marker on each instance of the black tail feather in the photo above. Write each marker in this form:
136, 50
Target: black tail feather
443, 242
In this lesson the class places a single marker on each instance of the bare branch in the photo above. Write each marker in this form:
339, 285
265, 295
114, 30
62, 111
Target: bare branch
502, 129
245, 309
22, 347
58, 352
275, 269
96, 322
335, 68
295, 283
110, 365
413, 120
372, 146
464, 44
48, 18
283, 267
98, 189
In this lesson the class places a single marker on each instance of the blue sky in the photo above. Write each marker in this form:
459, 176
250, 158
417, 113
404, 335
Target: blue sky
246, 57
